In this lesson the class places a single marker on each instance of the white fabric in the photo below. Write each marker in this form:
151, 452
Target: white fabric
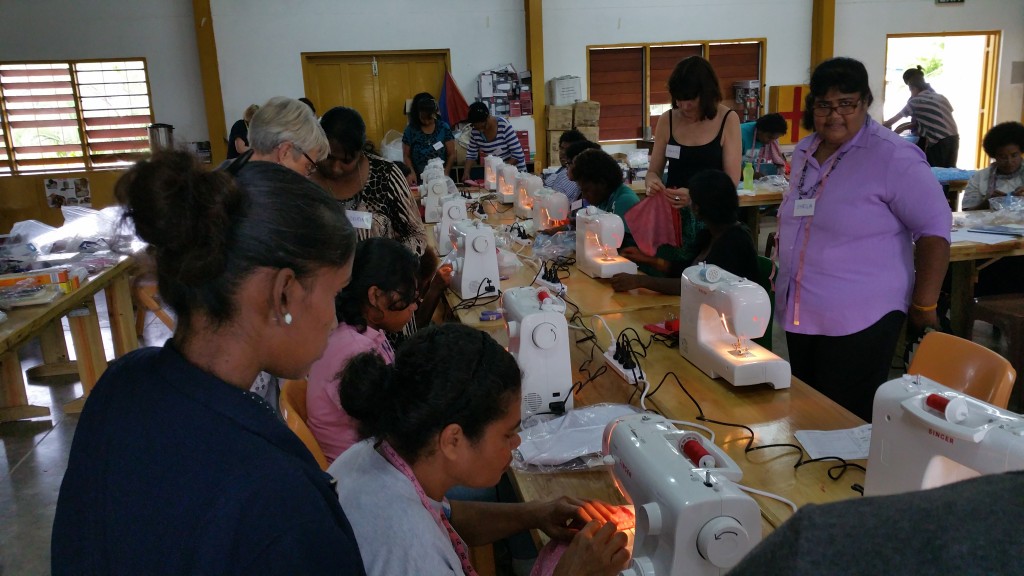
395, 533
577, 433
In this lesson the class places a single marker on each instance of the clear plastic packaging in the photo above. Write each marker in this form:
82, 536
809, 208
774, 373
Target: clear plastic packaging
549, 247
1015, 203
572, 441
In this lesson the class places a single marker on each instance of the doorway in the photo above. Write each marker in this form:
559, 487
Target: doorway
961, 67
377, 84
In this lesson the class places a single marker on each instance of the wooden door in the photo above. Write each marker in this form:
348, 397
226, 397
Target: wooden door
377, 84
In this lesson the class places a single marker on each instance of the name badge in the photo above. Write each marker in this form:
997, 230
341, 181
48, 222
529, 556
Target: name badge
576, 205
438, 145
360, 219
804, 207
672, 151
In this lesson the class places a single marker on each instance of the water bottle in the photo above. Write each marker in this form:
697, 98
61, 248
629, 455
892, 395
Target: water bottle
748, 176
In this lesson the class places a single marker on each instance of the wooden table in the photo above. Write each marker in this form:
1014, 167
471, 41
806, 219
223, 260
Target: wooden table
774, 415
45, 321
963, 258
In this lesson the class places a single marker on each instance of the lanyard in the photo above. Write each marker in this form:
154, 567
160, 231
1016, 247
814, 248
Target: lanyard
815, 192
391, 456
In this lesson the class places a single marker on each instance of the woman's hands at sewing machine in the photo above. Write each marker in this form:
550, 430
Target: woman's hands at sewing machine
598, 545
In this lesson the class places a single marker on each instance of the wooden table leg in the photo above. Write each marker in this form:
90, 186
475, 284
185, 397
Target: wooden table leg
56, 361
961, 296
13, 396
122, 317
92, 359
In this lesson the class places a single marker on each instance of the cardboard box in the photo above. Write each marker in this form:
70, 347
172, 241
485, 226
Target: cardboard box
515, 109
564, 90
592, 133
586, 113
559, 117
553, 136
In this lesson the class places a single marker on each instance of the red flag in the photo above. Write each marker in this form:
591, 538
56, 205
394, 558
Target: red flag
454, 108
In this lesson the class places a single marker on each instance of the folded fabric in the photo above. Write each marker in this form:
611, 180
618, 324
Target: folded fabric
653, 222
577, 433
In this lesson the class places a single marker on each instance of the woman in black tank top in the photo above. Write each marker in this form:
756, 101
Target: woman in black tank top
696, 96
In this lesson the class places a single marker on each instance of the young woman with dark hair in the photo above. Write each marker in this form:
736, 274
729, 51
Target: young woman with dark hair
427, 136
176, 468
723, 241
446, 413
380, 299
600, 180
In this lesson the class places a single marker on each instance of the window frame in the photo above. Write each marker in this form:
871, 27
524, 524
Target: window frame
9, 166
705, 53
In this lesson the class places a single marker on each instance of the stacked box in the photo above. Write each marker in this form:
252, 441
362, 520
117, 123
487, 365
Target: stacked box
526, 101
586, 113
559, 117
524, 140
564, 90
553, 136
591, 133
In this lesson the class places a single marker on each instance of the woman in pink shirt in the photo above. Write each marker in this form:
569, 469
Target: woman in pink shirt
381, 298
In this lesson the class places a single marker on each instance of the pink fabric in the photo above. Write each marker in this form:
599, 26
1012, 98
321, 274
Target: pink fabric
548, 558
653, 222
333, 429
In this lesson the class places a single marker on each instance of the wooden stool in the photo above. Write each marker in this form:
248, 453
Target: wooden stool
145, 295
1005, 312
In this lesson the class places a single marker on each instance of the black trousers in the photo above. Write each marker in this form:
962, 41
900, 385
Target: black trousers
847, 369
942, 154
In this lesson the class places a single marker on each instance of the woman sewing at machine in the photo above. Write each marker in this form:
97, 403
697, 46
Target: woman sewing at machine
724, 241
600, 180
446, 413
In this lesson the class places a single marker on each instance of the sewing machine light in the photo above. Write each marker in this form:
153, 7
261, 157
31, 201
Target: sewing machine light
527, 185
598, 236
550, 209
491, 165
507, 177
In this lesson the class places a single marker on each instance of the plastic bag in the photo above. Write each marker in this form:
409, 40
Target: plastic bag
573, 441
561, 244
508, 264
391, 146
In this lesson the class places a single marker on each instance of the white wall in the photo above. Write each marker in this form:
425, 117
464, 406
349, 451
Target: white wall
160, 31
862, 26
259, 42
571, 25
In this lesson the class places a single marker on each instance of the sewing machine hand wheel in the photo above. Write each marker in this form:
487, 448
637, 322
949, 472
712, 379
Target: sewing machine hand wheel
723, 541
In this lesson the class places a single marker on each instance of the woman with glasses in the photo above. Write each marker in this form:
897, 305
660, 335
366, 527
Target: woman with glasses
863, 239
697, 133
284, 131
376, 196
380, 298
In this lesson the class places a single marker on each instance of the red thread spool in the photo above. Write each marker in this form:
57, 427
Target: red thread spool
542, 295
954, 409
696, 453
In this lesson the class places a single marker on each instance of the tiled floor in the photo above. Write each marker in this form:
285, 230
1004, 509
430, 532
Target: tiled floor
35, 455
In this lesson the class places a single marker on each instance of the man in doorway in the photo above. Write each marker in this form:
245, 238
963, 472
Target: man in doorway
931, 115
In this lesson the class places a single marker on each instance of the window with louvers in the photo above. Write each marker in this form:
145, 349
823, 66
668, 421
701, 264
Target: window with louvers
617, 82
65, 116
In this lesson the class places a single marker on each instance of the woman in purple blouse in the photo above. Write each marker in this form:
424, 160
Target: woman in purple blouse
863, 241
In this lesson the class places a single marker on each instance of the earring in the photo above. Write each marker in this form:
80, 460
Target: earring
288, 318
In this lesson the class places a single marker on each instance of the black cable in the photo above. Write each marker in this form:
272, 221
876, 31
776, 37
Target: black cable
465, 304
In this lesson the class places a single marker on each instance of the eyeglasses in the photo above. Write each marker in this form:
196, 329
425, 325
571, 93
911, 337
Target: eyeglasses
312, 163
844, 108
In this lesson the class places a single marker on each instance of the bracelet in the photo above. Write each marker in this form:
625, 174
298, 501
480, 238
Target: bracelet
924, 308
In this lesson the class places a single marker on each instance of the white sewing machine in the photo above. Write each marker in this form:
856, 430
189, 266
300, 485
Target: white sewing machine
433, 170
598, 237
690, 516
453, 210
550, 209
507, 177
719, 313
476, 260
491, 165
925, 435
526, 186
538, 338
433, 194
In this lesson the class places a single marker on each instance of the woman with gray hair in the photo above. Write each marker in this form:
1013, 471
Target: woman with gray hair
285, 131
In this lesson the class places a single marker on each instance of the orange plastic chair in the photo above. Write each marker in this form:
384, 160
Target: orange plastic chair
293, 408
965, 366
